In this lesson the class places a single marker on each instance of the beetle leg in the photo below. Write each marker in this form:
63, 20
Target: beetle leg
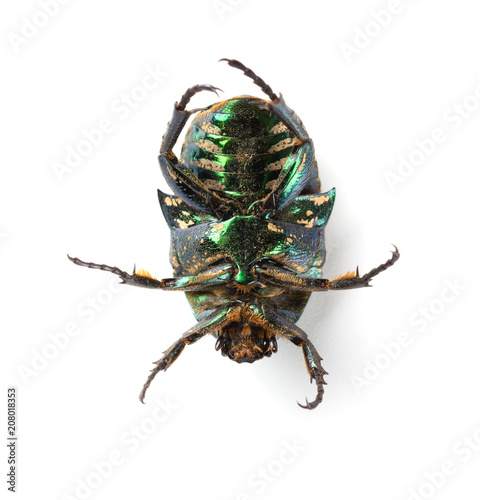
256, 79
298, 169
191, 189
182, 181
288, 117
354, 280
291, 332
293, 177
279, 277
207, 325
181, 116
213, 276
134, 279
277, 106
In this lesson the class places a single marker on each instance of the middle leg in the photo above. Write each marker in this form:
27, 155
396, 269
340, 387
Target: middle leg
212, 276
280, 277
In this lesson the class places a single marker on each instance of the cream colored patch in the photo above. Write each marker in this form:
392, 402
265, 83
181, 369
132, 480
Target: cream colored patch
182, 224
275, 228
169, 201
321, 200
276, 165
208, 164
208, 146
278, 128
307, 223
210, 128
286, 143
212, 184
270, 185
308, 213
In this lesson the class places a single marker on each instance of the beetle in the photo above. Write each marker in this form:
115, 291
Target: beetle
247, 219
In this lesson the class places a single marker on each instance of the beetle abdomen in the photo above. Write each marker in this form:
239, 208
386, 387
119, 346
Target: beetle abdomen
237, 147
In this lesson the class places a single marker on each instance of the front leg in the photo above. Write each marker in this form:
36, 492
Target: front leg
316, 371
207, 325
213, 276
291, 332
272, 275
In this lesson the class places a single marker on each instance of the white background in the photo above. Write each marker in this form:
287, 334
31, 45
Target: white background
225, 431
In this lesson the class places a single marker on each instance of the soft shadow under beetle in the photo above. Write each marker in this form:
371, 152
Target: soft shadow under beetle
247, 221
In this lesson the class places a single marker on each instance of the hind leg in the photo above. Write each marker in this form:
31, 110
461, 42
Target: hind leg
278, 106
184, 183
212, 276
272, 275
290, 181
256, 79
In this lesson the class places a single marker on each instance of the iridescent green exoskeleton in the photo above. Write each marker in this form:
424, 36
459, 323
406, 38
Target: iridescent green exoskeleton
247, 219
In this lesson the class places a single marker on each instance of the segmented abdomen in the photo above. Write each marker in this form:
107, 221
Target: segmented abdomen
238, 148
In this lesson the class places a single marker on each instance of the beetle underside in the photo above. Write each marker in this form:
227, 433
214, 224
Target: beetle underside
247, 240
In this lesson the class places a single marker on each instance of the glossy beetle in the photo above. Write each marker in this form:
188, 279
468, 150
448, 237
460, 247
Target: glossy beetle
247, 221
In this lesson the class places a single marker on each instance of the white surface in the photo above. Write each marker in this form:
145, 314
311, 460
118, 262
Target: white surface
231, 421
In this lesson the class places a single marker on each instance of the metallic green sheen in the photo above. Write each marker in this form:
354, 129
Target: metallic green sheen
237, 147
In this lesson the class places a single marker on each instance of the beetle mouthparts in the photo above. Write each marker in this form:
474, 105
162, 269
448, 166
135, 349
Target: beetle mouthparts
245, 343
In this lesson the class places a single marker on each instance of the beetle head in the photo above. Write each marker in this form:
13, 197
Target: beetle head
243, 342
